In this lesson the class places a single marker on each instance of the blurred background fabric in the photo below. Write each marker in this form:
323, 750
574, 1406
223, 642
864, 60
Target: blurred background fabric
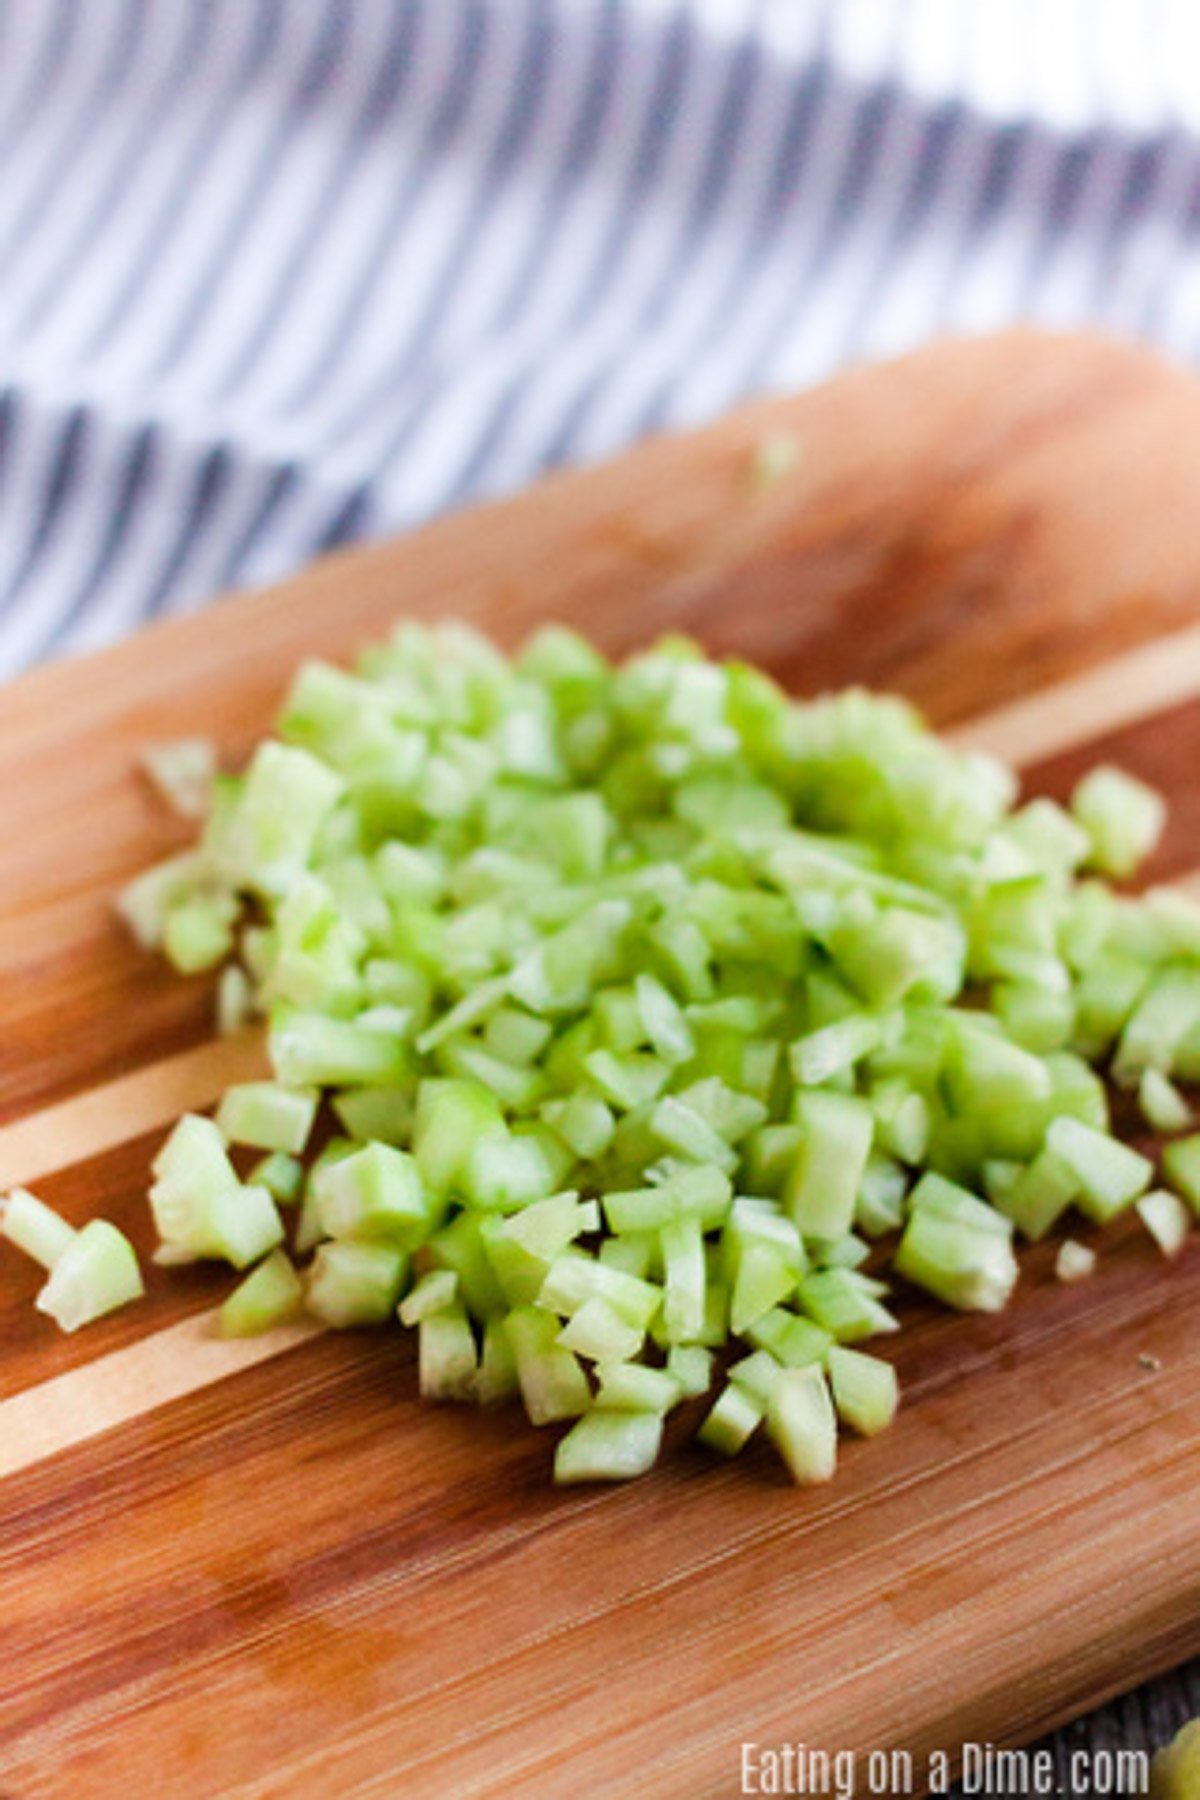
279, 273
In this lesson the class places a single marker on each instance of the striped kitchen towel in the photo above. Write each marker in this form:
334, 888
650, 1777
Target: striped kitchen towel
279, 273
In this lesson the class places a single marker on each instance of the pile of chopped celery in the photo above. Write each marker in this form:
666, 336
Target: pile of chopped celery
631, 1025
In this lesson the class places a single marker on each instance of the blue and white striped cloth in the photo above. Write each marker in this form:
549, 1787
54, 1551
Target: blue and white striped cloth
277, 273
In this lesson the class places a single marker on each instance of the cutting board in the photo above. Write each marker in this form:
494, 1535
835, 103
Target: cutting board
271, 1570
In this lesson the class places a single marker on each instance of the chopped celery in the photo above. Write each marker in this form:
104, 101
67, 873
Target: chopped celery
865, 1390
355, 1284
35, 1227
1162, 1105
1075, 1261
268, 1116
733, 1419
375, 1192
1181, 1166
739, 972
802, 1425
1123, 819
446, 1354
634, 1387
434, 1292
553, 1384
608, 1446
96, 1273
1110, 1174
1167, 1220
822, 1185
272, 1294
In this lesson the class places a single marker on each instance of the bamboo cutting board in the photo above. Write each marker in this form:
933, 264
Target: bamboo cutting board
231, 1571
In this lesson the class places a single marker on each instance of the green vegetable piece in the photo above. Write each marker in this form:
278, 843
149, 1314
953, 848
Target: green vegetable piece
35, 1227
598, 1332
802, 1425
375, 1192
1122, 817
95, 1274
1075, 1261
272, 1294
553, 1384
822, 1186
434, 1292
355, 1284
732, 1421
1167, 1219
608, 1446
446, 1355
268, 1116
1111, 1175
1162, 1105
635, 1387
961, 1262
865, 1390
1040, 1194
1181, 1166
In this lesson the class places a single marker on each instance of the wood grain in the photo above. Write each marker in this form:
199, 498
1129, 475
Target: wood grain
298, 1579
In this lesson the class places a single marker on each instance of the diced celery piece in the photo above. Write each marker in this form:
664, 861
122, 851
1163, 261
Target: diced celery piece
961, 1263
1111, 1175
802, 1425
282, 1176
463, 1246
433, 1292
758, 1375
833, 1049
145, 903
497, 1376
1166, 1218
584, 1122
1181, 1166
901, 1120
765, 1277
839, 1304
1122, 817
355, 1284
879, 1207
376, 1192
308, 1049
552, 1381
574, 1278
791, 1339
446, 1355
1166, 1015
865, 1390
635, 1387
95, 1274
598, 1332
608, 1446
267, 840
452, 1119
1162, 1105
35, 1227
690, 1366
663, 1021
1039, 1195
684, 1280
732, 1421
271, 1294
197, 932
376, 1114
1075, 1261
705, 1194
267, 1116
683, 1132
822, 1185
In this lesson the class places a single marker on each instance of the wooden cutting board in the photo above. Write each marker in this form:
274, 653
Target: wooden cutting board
221, 1575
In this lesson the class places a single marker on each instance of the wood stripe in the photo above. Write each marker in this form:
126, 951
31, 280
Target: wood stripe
85, 1402
104, 1117
1103, 700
